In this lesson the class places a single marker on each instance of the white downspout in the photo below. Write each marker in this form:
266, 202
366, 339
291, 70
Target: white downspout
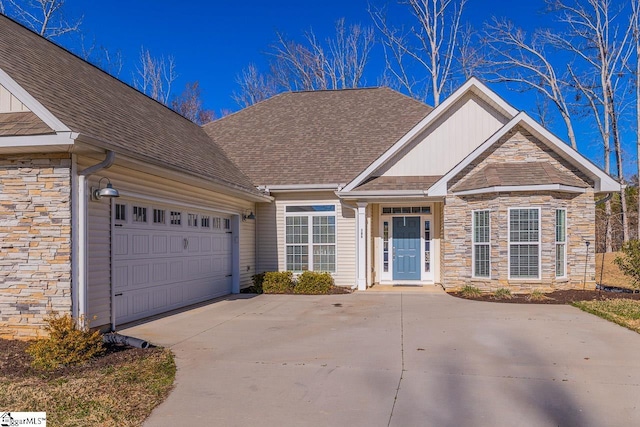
79, 233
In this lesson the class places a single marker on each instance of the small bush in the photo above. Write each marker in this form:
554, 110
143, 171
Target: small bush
66, 345
314, 283
629, 262
503, 293
470, 291
278, 282
537, 295
256, 288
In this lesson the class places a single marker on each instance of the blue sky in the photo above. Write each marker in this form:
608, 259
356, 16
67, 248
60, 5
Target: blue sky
212, 41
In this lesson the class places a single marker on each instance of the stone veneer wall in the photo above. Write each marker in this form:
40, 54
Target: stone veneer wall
35, 242
519, 147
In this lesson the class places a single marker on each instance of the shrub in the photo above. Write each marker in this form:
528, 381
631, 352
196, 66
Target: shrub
537, 295
256, 288
278, 282
629, 262
470, 291
66, 345
503, 293
314, 283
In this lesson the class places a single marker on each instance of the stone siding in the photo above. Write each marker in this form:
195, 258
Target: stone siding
519, 147
35, 239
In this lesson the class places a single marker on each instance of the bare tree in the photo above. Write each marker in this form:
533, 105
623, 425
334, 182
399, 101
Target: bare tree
525, 62
430, 46
336, 63
603, 48
189, 105
45, 17
254, 87
635, 24
155, 76
100, 56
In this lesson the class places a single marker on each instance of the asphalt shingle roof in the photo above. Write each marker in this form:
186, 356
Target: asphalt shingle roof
22, 123
399, 183
518, 174
321, 137
93, 103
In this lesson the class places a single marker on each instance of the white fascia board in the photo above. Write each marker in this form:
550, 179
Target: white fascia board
32, 104
439, 189
153, 166
299, 187
522, 188
23, 141
603, 182
473, 85
390, 194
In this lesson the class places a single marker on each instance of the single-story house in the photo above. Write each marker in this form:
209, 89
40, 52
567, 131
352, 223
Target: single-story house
367, 184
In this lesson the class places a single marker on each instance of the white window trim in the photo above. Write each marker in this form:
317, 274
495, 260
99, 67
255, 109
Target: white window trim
310, 243
386, 278
556, 243
539, 243
474, 244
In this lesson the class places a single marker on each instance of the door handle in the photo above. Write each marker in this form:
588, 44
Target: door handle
185, 243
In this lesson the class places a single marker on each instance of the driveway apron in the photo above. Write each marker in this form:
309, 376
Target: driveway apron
395, 359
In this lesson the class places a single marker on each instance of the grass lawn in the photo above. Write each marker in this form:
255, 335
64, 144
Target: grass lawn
624, 312
118, 389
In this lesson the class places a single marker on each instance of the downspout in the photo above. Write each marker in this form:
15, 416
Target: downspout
80, 241
355, 210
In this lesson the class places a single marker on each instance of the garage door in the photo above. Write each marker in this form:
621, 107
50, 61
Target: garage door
167, 257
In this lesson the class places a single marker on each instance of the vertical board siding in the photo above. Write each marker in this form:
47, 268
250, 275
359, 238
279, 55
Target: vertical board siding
469, 123
9, 103
345, 274
131, 182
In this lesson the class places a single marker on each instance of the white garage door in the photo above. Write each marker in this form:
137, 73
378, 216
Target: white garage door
167, 257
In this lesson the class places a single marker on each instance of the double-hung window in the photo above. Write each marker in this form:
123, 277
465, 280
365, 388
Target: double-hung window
310, 238
481, 244
561, 243
524, 243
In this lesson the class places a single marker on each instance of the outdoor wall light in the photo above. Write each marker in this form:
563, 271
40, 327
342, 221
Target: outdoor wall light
107, 191
250, 215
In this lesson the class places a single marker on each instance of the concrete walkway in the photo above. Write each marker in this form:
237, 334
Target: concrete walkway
395, 359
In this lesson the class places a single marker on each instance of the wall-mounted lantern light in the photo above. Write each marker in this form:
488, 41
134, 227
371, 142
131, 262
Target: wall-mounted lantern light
107, 191
248, 215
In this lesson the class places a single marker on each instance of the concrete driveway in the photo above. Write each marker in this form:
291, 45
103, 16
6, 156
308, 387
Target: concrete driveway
402, 359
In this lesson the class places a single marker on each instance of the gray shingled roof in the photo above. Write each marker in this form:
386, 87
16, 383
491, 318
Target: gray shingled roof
399, 183
22, 123
321, 137
92, 103
518, 174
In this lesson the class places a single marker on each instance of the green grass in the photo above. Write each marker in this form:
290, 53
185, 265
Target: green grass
537, 295
624, 312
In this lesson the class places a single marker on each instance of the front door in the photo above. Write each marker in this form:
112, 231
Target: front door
406, 248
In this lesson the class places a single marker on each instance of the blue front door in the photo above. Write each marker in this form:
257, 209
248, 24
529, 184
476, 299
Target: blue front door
406, 248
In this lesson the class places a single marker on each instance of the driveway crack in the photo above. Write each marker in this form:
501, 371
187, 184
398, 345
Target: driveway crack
395, 399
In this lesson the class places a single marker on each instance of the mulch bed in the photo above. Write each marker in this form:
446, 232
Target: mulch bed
557, 297
15, 363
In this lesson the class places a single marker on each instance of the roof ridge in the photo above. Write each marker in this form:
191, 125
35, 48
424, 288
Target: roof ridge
78, 57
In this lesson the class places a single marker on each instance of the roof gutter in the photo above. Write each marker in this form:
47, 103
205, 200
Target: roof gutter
79, 217
293, 188
387, 194
225, 187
